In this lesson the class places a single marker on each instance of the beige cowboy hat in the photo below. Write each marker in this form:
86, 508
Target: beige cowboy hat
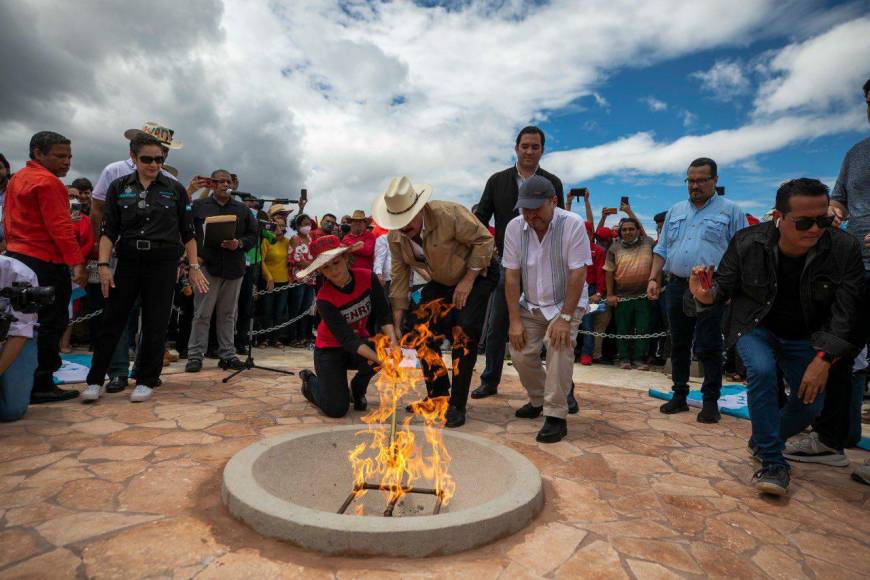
161, 133
278, 208
397, 206
358, 215
325, 249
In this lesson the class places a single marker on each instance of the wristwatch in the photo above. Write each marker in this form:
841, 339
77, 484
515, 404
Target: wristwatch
566, 317
101, 264
826, 356
195, 266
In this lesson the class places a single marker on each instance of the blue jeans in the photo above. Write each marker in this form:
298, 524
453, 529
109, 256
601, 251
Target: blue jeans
17, 382
765, 355
701, 335
496, 335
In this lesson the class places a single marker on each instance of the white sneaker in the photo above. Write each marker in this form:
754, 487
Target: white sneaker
92, 393
862, 473
810, 450
140, 393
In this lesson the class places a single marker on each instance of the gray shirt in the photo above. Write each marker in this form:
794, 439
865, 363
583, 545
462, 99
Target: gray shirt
853, 191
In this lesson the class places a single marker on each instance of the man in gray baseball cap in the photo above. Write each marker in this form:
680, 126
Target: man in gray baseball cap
534, 192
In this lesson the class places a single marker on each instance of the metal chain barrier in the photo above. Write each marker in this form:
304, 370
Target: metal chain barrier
624, 336
276, 289
86, 317
284, 324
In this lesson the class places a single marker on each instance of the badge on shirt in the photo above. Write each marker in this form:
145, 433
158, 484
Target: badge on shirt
127, 193
167, 194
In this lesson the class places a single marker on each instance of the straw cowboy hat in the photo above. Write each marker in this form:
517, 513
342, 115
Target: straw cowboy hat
397, 206
278, 208
325, 249
359, 215
161, 133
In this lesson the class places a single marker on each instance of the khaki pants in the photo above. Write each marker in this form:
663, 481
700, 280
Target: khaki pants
548, 388
602, 320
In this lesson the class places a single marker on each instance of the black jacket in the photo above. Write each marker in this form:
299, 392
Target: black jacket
831, 286
500, 196
221, 263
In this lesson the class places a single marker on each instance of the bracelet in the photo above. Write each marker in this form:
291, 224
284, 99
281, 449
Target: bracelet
103, 264
195, 267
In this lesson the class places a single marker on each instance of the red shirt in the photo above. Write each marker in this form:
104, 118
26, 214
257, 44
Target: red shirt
85, 238
354, 308
595, 274
364, 257
36, 217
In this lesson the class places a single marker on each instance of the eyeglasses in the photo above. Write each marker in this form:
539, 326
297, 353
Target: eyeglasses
701, 181
802, 224
149, 159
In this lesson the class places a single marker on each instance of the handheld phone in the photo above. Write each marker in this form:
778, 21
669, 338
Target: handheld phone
624, 200
610, 211
303, 195
208, 182
720, 190
578, 192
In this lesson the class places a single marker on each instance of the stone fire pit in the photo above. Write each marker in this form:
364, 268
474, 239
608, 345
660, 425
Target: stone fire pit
290, 487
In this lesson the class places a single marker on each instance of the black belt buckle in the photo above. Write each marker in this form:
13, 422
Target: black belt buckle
143, 244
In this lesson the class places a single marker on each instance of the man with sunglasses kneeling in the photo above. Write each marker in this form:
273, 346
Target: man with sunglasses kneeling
795, 288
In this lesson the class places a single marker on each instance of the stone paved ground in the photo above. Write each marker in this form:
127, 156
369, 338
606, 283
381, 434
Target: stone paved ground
130, 491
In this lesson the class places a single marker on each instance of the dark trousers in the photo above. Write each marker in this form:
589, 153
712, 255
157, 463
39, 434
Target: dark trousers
53, 318
185, 321
470, 321
701, 335
496, 335
275, 311
329, 388
300, 298
245, 310
149, 275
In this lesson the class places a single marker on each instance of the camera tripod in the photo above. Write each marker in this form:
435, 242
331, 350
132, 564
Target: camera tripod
249, 360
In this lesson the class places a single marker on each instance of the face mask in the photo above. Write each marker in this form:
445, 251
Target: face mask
305, 230
328, 227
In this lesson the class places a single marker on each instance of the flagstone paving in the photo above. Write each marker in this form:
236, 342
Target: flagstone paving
115, 490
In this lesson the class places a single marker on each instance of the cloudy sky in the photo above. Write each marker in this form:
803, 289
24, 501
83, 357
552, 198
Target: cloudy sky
339, 96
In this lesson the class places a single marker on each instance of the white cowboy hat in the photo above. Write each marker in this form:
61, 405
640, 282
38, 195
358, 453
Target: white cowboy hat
161, 133
325, 257
397, 206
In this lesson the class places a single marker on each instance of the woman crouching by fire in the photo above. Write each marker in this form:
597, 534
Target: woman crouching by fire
347, 301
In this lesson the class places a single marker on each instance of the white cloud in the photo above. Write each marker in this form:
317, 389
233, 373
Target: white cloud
825, 70
338, 97
654, 104
725, 80
689, 118
641, 153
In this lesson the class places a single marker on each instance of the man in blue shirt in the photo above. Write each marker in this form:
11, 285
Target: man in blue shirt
696, 232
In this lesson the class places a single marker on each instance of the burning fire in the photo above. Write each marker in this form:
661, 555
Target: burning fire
393, 460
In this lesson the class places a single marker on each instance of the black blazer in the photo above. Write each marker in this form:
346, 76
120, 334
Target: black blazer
500, 196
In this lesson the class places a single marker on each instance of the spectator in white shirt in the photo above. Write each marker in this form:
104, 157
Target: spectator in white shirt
382, 264
546, 252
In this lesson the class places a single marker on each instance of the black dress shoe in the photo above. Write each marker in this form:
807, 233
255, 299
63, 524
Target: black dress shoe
455, 417
528, 411
484, 391
116, 385
54, 395
553, 431
193, 366
231, 364
306, 376
709, 413
360, 404
573, 406
676, 405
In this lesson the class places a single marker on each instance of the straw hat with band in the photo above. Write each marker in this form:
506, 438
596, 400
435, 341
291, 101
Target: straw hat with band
359, 216
324, 250
396, 207
278, 208
161, 133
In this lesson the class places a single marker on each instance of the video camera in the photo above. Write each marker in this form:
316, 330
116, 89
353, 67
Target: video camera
25, 297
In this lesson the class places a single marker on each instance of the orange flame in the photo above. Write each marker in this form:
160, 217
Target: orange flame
392, 458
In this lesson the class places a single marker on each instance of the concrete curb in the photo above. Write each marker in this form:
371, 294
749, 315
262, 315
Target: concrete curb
334, 534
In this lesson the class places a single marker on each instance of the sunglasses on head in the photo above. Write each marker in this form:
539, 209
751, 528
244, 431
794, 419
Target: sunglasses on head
149, 159
802, 224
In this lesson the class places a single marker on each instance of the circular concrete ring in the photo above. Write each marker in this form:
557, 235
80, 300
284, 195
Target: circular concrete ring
519, 499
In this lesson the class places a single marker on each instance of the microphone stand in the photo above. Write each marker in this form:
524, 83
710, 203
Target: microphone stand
258, 264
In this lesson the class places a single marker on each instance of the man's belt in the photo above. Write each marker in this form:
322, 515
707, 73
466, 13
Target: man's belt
146, 245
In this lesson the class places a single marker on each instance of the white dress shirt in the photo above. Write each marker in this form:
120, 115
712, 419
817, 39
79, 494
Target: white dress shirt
382, 258
541, 264
113, 171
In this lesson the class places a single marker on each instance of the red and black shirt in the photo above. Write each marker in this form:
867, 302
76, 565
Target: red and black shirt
345, 312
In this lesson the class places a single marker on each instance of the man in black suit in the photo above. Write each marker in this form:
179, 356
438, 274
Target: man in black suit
499, 198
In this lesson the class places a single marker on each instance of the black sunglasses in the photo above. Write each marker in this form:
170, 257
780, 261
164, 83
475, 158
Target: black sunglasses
802, 224
149, 159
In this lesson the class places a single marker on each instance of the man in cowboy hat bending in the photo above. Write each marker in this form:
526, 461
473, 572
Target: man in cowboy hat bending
445, 240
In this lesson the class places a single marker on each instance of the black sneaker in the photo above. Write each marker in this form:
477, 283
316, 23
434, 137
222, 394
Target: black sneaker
194, 365
529, 411
573, 406
676, 405
709, 413
116, 385
455, 417
231, 364
772, 479
553, 431
484, 391
360, 403
53, 395
306, 375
